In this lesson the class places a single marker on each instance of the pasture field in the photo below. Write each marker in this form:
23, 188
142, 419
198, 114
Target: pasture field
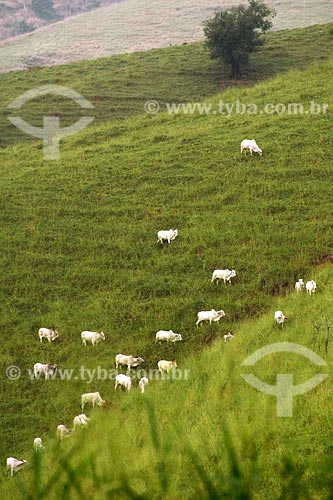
210, 436
118, 87
79, 251
139, 25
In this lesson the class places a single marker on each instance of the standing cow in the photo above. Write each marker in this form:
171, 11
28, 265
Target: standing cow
123, 381
279, 318
129, 361
167, 235
167, 336
223, 274
165, 366
93, 337
14, 465
91, 397
47, 370
47, 333
251, 145
210, 316
310, 287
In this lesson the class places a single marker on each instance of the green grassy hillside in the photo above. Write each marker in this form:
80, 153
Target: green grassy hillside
212, 435
79, 251
135, 25
118, 87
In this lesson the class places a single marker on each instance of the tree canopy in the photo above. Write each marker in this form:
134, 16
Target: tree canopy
233, 34
44, 9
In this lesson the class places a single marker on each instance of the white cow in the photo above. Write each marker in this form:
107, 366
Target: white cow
142, 383
38, 444
168, 336
251, 145
168, 236
165, 366
223, 274
47, 333
48, 370
91, 397
63, 432
80, 420
210, 316
279, 318
228, 336
129, 361
299, 285
93, 337
124, 381
14, 465
310, 287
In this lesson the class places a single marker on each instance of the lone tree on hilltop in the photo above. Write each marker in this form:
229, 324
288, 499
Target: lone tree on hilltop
231, 35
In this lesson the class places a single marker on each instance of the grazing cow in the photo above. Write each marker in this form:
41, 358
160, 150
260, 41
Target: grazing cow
251, 145
227, 337
142, 383
168, 336
80, 420
48, 370
93, 337
91, 397
310, 287
299, 285
63, 432
223, 274
210, 316
14, 465
166, 366
279, 318
47, 333
124, 381
38, 444
168, 236
129, 361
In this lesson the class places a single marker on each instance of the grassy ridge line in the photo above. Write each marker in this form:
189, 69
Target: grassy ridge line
136, 25
182, 431
79, 237
119, 86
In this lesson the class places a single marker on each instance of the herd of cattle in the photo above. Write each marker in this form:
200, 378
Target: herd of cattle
164, 366
310, 287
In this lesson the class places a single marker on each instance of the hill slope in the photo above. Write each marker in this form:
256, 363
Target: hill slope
79, 234
134, 25
206, 433
18, 16
118, 87
79, 251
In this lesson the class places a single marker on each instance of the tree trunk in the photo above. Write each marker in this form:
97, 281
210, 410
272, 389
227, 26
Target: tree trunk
235, 70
